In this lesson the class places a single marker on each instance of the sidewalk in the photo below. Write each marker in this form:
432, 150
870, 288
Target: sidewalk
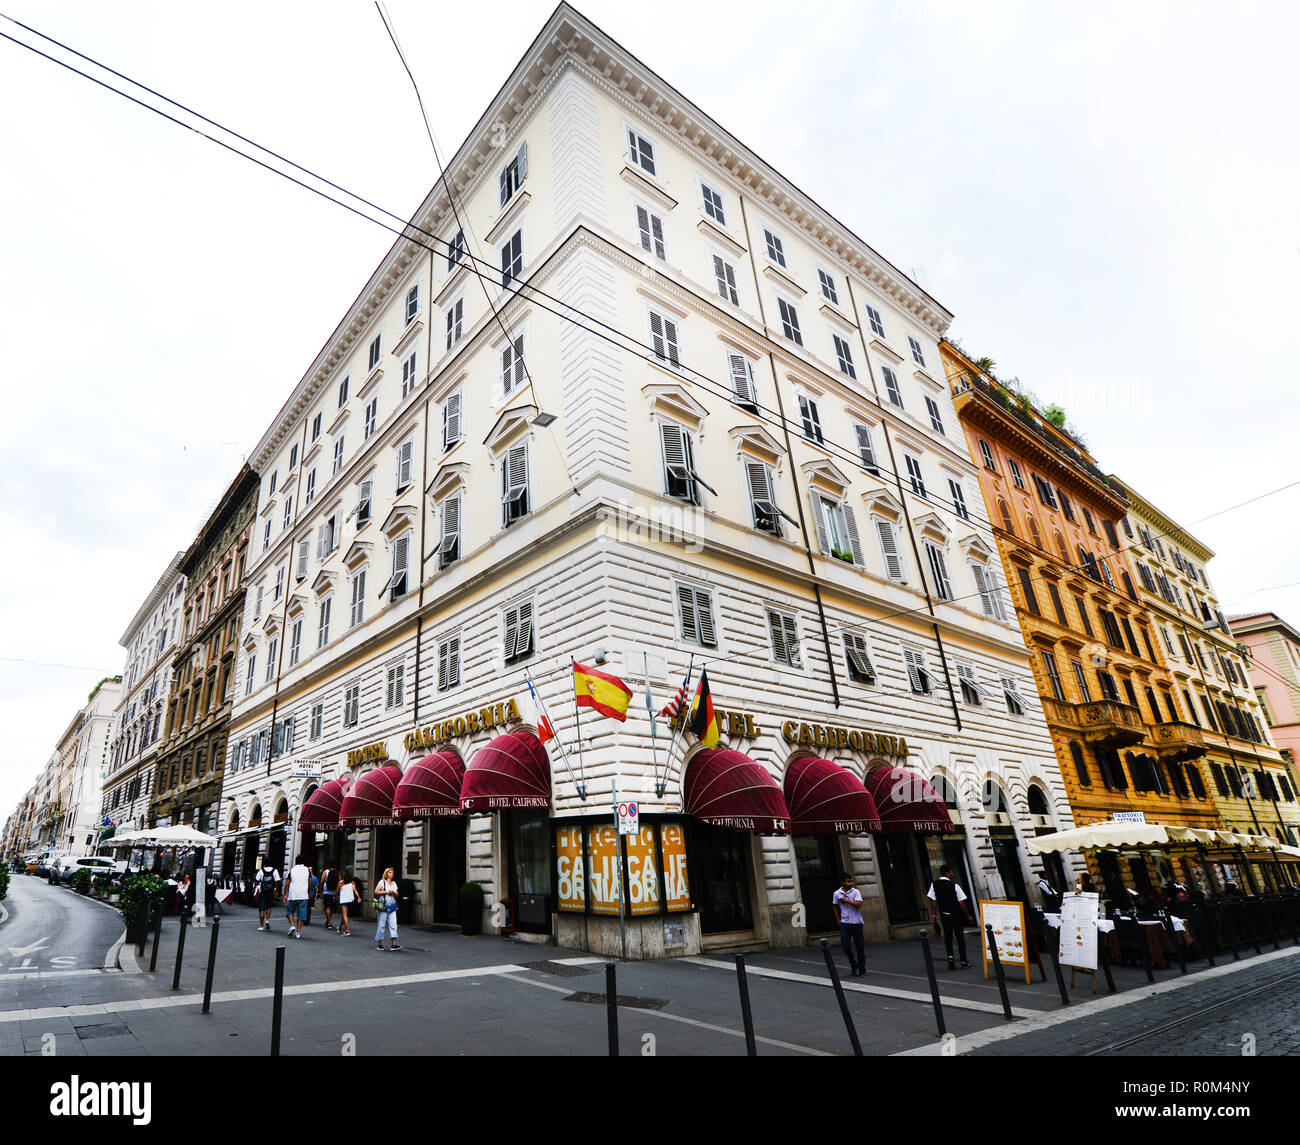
444, 993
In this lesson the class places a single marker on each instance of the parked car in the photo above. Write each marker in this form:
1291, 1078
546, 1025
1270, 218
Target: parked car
46, 864
69, 865
29, 863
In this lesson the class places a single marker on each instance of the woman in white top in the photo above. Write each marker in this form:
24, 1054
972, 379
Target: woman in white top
347, 898
386, 896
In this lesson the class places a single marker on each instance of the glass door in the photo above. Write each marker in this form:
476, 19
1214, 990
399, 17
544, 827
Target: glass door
817, 859
719, 866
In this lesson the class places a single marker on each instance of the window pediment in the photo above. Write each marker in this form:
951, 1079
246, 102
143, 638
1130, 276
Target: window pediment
408, 335
297, 605
250, 641
674, 401
448, 479
884, 503
756, 440
886, 352
974, 548
509, 425
927, 381
271, 625
710, 230
822, 473
931, 524
508, 217
647, 186
400, 518
783, 281
324, 582
358, 554
836, 316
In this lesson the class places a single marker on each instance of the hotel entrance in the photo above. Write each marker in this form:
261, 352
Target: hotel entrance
447, 853
720, 869
817, 859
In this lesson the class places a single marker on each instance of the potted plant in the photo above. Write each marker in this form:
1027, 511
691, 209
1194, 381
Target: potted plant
843, 554
471, 909
141, 895
81, 880
102, 886
4, 884
405, 900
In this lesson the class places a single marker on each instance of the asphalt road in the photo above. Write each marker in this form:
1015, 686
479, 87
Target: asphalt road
52, 930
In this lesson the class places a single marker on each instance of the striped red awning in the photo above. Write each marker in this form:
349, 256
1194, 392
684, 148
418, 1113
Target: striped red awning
826, 799
321, 811
370, 801
725, 788
430, 787
510, 772
906, 802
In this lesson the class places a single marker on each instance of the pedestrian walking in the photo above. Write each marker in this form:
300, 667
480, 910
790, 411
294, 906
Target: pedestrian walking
1047, 893
265, 882
386, 909
297, 893
348, 896
848, 909
949, 906
329, 889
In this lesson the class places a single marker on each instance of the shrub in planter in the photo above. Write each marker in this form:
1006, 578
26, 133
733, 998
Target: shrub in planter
102, 886
471, 909
81, 881
4, 883
405, 900
138, 891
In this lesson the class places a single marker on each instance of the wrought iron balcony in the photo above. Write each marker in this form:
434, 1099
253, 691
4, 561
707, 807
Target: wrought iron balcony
1178, 742
1102, 723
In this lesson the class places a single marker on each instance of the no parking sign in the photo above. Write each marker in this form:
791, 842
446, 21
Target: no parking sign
627, 818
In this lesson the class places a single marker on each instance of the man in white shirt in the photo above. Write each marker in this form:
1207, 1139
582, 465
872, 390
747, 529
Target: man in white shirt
297, 893
848, 909
950, 904
266, 883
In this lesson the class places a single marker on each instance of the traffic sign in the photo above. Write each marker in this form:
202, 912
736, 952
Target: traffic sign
627, 818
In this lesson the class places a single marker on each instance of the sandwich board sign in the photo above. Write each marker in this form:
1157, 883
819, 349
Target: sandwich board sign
1078, 934
1007, 918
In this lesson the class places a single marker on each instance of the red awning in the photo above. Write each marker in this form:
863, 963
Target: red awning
511, 771
906, 802
825, 799
430, 787
370, 801
726, 788
321, 811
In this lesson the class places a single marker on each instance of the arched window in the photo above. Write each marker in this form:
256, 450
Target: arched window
1035, 533
1038, 804
1005, 510
1061, 548
1128, 584
994, 798
945, 790
255, 816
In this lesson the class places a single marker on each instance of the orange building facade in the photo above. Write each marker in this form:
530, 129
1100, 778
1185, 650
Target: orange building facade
1122, 740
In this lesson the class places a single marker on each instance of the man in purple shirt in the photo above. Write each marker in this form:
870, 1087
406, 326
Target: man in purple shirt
848, 909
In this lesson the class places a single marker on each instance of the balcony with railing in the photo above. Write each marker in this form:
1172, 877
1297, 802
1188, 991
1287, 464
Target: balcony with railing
1177, 742
1101, 723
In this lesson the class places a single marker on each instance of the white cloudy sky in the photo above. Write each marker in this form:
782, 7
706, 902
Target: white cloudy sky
1105, 194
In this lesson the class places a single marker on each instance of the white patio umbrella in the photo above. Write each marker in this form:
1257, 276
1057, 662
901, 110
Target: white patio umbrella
1103, 835
179, 836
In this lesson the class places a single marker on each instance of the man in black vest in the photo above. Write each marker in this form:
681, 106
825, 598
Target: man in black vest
949, 904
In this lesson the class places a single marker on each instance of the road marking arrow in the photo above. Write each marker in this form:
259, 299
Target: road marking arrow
19, 951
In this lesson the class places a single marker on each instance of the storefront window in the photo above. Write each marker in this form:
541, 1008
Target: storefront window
532, 854
586, 867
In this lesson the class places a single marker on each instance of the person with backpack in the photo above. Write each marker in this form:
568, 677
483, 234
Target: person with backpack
329, 887
297, 893
265, 883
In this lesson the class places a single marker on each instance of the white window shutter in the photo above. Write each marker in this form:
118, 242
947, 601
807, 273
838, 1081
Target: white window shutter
704, 614
982, 587
889, 550
866, 450
643, 225
657, 335
791, 640
522, 161
855, 545
819, 520
450, 524
451, 421
776, 627
742, 379
686, 606
399, 559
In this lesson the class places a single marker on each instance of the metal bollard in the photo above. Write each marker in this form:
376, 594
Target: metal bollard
157, 937
278, 1002
934, 984
212, 965
1104, 958
611, 1008
751, 1050
1143, 954
180, 950
839, 994
148, 922
997, 969
1060, 978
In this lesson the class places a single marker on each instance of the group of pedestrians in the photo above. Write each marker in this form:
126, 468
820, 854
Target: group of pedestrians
300, 887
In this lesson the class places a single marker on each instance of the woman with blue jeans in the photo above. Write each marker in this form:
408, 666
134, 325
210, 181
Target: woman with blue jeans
386, 894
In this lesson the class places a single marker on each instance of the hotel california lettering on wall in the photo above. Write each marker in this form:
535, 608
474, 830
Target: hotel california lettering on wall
372, 752
485, 719
827, 735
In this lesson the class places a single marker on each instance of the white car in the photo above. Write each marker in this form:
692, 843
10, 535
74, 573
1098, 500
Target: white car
69, 865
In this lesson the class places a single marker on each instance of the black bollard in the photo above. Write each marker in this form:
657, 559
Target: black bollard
997, 969
212, 965
278, 1001
934, 984
157, 937
1104, 958
751, 1050
180, 949
148, 921
611, 1008
1143, 953
839, 994
1060, 978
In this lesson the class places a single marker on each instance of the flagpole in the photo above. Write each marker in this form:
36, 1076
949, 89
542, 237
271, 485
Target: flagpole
577, 731
543, 714
654, 741
618, 866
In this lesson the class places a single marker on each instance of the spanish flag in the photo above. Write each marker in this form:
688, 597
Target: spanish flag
703, 722
605, 693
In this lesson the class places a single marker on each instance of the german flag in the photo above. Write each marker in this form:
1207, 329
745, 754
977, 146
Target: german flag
703, 722
598, 690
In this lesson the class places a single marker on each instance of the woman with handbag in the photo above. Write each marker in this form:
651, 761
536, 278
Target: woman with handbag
386, 910
348, 897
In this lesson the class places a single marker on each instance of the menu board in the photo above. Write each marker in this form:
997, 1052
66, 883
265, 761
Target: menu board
570, 882
602, 869
642, 872
1007, 918
677, 890
1079, 930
